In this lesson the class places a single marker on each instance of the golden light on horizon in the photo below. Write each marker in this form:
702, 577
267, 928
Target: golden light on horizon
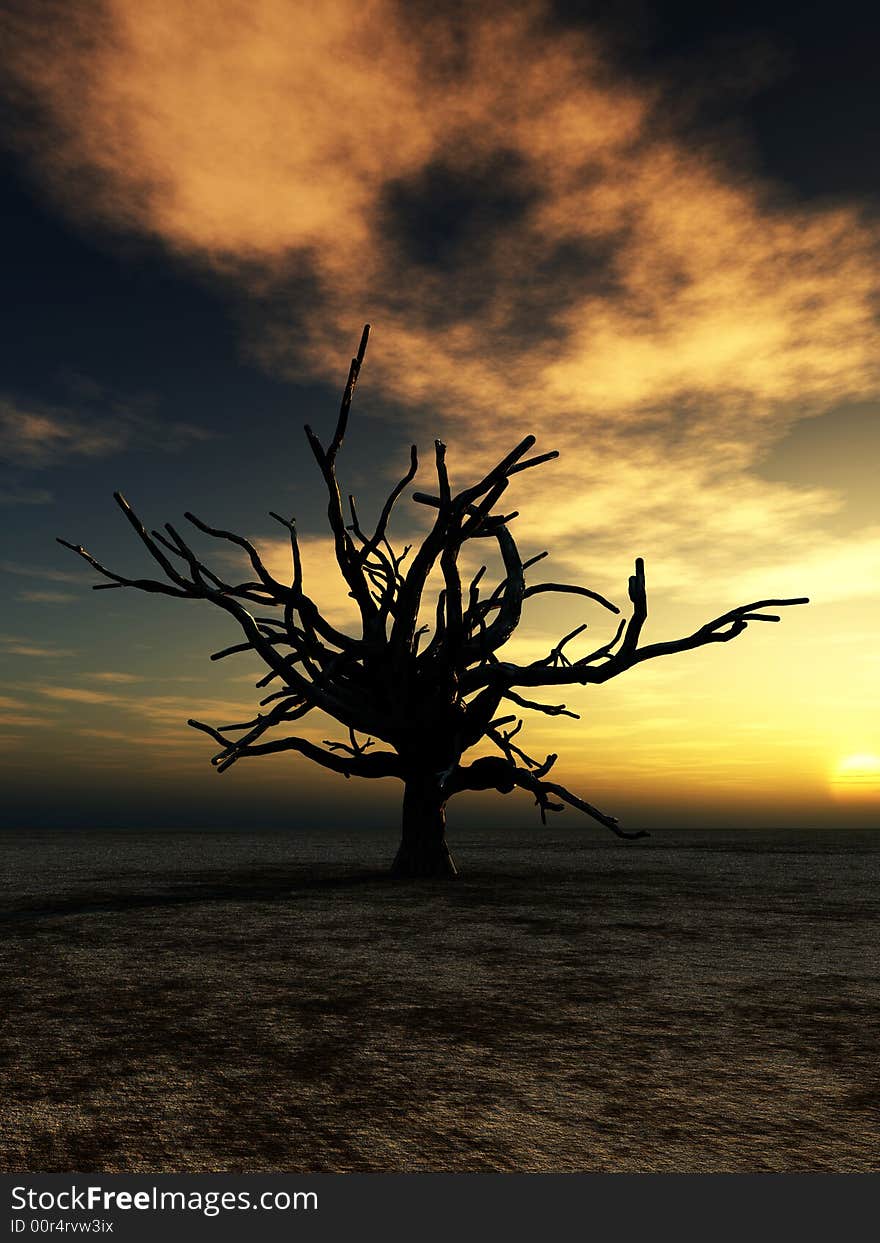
857, 776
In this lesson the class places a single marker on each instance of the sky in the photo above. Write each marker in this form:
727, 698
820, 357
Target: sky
647, 234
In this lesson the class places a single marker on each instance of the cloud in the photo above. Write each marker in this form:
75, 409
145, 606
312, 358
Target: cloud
45, 597
544, 244
114, 735
33, 571
622, 266
78, 694
38, 436
35, 437
18, 645
7, 702
175, 710
15, 494
16, 712
838, 570
158, 709
121, 678
151, 722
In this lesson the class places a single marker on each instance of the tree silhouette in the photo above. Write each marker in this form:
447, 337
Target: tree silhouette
431, 693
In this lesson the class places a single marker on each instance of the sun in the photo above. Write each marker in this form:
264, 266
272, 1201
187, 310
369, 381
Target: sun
857, 776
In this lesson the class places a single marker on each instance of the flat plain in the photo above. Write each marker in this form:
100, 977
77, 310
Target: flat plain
265, 1002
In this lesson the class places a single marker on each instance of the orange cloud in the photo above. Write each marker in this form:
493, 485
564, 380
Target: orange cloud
632, 272
77, 694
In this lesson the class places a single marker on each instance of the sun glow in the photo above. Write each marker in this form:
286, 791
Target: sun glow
857, 776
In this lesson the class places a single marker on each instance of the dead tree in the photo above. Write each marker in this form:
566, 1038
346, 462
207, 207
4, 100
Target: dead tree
430, 693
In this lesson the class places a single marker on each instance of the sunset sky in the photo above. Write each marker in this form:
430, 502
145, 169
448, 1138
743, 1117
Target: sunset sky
646, 233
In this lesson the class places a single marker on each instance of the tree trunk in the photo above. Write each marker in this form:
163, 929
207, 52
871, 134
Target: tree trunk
423, 850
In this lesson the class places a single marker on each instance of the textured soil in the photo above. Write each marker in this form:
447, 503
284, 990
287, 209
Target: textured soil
219, 1002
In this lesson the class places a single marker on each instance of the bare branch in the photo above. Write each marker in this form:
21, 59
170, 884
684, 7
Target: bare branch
542, 789
499, 472
638, 596
557, 654
154, 551
503, 739
385, 516
353, 747
347, 557
353, 373
720, 630
296, 586
143, 584
606, 648
534, 461
570, 589
277, 590
377, 764
547, 709
442, 475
